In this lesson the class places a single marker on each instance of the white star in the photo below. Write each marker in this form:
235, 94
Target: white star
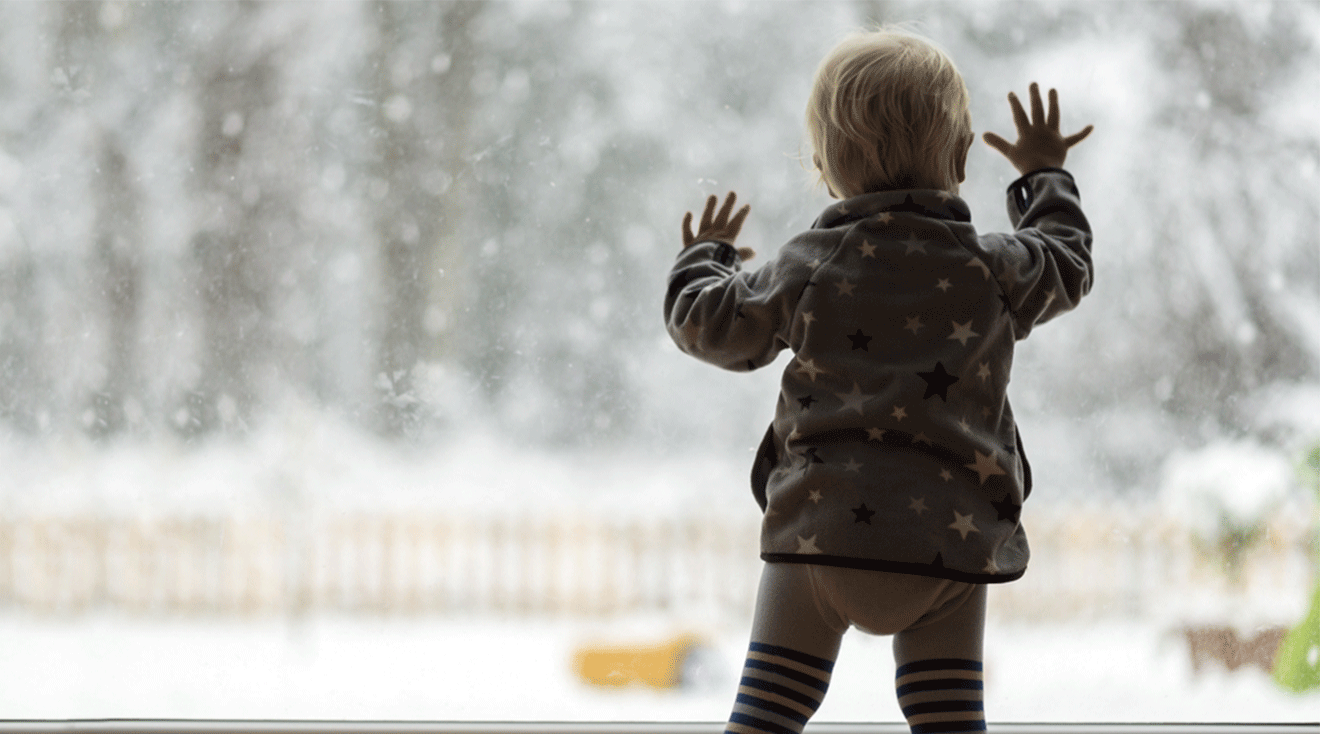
914, 324
852, 465
985, 466
1010, 275
914, 244
976, 263
922, 438
918, 504
944, 285
963, 332
868, 249
808, 317
875, 434
990, 566
807, 545
946, 475
809, 368
983, 371
853, 399
944, 196
963, 524
885, 217
815, 264
962, 423
845, 288
899, 413
815, 496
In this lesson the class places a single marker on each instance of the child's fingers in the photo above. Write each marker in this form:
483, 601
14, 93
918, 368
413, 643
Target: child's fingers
1020, 120
746, 253
708, 214
688, 236
735, 225
1078, 137
998, 143
1053, 118
1037, 109
728, 207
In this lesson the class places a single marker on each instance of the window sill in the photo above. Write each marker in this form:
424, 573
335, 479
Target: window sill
197, 726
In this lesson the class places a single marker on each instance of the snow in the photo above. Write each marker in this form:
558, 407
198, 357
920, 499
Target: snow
473, 669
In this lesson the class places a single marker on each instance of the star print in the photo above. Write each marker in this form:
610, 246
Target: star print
976, 263
1010, 275
914, 244
990, 566
985, 466
809, 368
808, 317
815, 496
860, 341
918, 505
963, 524
899, 413
845, 288
875, 434
914, 324
863, 513
1007, 510
807, 545
812, 457
944, 285
806, 402
868, 249
946, 475
852, 465
963, 332
854, 399
885, 217
938, 381
964, 424
938, 562
922, 438
983, 371
944, 196
815, 263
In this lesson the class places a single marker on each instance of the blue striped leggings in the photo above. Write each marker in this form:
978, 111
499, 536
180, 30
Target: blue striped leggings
802, 612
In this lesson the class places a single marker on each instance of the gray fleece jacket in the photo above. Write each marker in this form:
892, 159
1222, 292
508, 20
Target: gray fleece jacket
893, 446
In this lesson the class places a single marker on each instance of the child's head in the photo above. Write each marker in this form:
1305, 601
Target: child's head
888, 110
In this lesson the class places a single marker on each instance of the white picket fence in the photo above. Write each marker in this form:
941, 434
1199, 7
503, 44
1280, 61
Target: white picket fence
1087, 563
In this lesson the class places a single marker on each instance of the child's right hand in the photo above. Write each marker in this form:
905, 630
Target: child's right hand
1039, 144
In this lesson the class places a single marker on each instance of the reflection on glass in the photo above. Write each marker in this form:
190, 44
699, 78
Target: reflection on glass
333, 382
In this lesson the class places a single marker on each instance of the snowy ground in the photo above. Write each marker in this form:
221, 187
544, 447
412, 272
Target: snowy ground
521, 670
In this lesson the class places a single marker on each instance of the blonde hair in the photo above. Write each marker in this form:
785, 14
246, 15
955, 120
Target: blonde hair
888, 110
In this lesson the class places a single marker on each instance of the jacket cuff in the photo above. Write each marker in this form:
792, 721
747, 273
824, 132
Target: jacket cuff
724, 254
1022, 194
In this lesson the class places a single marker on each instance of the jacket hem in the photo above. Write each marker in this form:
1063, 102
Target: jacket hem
914, 569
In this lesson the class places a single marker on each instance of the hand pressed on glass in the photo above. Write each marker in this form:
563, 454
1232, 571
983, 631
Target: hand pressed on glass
718, 227
1039, 144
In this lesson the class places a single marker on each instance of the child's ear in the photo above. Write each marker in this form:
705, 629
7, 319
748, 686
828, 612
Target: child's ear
960, 159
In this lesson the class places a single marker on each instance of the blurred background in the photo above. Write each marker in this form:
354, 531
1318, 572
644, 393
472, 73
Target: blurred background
334, 384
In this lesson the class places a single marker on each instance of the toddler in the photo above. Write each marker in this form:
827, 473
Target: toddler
893, 476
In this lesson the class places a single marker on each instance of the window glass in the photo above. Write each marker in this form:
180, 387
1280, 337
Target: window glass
334, 383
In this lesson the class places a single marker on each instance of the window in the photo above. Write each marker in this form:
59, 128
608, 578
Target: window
333, 383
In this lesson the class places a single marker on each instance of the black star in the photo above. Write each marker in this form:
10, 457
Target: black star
938, 562
812, 457
863, 514
806, 402
1007, 510
859, 341
937, 382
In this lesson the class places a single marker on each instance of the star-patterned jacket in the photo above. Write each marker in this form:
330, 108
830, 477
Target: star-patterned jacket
893, 446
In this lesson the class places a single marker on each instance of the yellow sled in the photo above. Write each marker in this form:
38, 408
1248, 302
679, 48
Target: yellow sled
660, 665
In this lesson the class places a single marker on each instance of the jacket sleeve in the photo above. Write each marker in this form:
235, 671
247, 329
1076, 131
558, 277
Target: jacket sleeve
1045, 266
732, 318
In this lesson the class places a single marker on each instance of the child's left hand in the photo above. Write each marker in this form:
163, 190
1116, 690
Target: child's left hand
718, 227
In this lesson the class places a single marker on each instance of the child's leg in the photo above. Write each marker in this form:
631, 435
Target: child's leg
792, 652
939, 677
